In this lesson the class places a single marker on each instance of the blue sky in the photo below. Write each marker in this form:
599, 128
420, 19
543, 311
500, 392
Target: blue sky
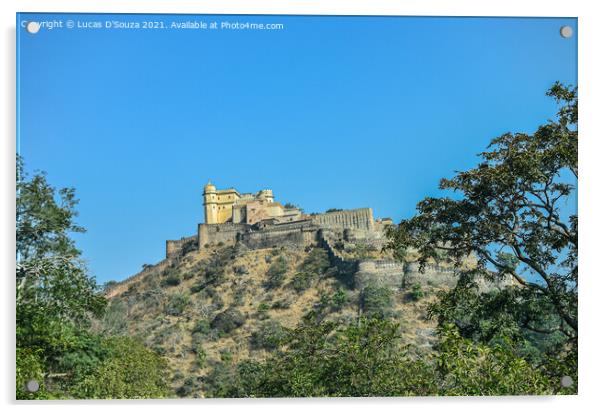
329, 112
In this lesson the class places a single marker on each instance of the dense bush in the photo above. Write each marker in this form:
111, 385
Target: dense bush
262, 310
201, 356
334, 301
366, 358
228, 320
129, 371
225, 355
376, 301
268, 336
219, 380
189, 387
30, 367
202, 327
301, 281
238, 298
176, 304
416, 292
171, 280
57, 302
276, 272
313, 266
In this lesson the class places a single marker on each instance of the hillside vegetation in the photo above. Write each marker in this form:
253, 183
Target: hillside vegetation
226, 305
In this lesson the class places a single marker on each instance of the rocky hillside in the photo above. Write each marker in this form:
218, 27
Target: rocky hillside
225, 304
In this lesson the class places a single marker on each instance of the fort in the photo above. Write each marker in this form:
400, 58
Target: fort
256, 220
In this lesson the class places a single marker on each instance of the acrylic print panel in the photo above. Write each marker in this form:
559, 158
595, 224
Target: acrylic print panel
228, 206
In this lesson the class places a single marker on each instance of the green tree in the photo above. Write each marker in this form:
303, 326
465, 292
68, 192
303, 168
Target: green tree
507, 213
45, 217
130, 371
366, 358
55, 298
56, 301
376, 301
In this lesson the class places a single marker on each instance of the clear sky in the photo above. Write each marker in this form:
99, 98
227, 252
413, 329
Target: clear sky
328, 112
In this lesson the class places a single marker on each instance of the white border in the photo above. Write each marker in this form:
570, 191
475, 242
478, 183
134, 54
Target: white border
590, 93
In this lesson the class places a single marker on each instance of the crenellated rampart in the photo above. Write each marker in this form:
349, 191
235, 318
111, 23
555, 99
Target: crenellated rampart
174, 248
353, 218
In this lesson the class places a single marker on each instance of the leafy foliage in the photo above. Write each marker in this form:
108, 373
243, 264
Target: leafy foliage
416, 292
56, 301
130, 371
202, 327
366, 359
509, 214
376, 301
43, 221
30, 366
268, 336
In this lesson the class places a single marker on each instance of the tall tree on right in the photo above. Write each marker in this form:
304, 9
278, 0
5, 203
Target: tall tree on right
514, 213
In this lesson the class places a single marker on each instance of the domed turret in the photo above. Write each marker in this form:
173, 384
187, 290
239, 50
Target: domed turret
209, 188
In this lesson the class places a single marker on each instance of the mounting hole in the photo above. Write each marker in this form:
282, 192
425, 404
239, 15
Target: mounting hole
33, 27
566, 381
32, 386
566, 31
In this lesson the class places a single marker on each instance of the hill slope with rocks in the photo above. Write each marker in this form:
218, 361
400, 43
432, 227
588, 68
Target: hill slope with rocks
226, 304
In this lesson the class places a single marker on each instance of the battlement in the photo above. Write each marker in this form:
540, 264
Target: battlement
352, 218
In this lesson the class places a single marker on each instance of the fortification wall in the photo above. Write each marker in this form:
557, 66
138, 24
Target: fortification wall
176, 247
398, 275
295, 234
379, 272
336, 258
215, 233
390, 273
123, 285
438, 274
354, 218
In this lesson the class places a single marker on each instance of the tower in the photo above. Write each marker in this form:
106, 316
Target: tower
266, 194
210, 203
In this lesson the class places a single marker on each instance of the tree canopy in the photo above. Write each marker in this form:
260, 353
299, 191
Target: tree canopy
56, 300
513, 213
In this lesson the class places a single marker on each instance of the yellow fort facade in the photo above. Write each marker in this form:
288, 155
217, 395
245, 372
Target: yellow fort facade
256, 220
228, 205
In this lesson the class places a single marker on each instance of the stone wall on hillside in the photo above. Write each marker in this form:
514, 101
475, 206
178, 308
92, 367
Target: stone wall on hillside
352, 218
122, 286
325, 240
226, 233
390, 273
180, 246
298, 234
